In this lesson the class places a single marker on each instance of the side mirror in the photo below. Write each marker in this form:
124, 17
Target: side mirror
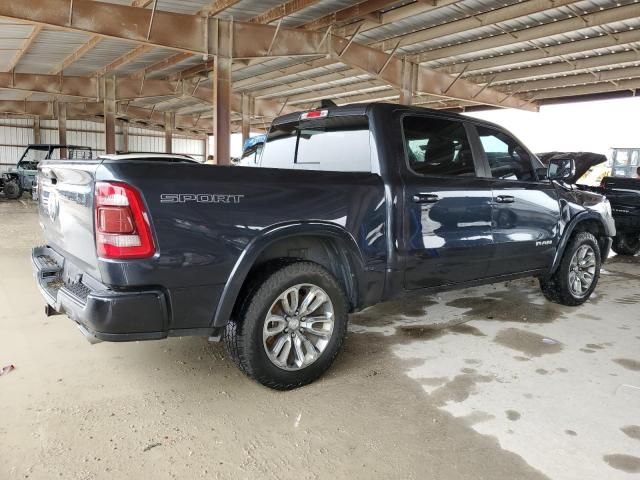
561, 168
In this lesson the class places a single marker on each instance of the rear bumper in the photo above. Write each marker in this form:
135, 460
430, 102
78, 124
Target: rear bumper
101, 314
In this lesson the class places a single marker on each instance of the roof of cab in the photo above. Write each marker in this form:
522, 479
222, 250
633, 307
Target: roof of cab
365, 108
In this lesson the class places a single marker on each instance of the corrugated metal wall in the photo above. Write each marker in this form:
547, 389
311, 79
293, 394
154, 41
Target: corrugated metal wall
17, 133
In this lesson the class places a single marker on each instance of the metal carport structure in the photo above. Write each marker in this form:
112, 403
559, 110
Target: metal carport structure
218, 67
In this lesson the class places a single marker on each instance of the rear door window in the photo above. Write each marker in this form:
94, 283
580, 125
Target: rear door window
337, 144
508, 160
437, 146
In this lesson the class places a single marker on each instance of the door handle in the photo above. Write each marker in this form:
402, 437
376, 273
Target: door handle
425, 198
505, 199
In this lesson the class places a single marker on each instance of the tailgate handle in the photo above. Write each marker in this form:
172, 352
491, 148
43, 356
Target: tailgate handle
505, 199
425, 198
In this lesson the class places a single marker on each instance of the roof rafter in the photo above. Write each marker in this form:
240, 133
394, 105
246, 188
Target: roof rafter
76, 55
600, 17
283, 10
95, 109
129, 23
546, 52
25, 47
162, 64
217, 6
127, 89
124, 59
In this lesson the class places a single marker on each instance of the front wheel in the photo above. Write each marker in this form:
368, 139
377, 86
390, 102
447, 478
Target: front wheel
577, 275
626, 243
291, 329
12, 190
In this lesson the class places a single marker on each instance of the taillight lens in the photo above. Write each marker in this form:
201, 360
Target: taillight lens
122, 223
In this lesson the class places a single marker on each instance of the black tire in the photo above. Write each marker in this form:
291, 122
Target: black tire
243, 335
626, 243
12, 190
556, 288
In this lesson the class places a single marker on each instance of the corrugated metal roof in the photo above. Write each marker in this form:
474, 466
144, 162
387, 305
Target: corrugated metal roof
51, 47
105, 52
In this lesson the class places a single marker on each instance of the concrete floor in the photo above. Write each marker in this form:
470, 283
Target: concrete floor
484, 383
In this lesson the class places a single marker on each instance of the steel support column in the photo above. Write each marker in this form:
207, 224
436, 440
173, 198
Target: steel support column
409, 77
110, 115
222, 95
124, 127
62, 128
247, 113
36, 129
169, 121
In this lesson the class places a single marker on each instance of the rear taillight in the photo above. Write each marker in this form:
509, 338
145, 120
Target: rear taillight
122, 223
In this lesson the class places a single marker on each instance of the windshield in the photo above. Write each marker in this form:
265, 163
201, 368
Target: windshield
31, 158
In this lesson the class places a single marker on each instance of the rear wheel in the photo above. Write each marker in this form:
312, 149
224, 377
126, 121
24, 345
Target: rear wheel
577, 276
12, 190
626, 243
291, 329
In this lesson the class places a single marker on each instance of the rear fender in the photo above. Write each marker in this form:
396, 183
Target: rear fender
251, 253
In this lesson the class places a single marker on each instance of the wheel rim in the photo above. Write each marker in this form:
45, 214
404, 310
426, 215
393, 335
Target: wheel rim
582, 270
298, 327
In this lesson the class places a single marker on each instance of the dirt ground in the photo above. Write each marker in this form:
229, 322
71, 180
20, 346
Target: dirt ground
484, 383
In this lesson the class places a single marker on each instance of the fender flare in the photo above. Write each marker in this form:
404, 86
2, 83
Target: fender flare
276, 233
568, 231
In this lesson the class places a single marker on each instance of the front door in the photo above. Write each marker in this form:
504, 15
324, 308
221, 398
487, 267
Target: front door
526, 212
447, 207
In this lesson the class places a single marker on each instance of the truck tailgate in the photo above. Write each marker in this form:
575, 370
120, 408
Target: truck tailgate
65, 209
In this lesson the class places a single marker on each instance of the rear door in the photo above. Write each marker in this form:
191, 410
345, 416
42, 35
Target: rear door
526, 213
447, 206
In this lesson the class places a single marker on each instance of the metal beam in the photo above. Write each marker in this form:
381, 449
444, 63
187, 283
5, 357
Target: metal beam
217, 6
124, 59
602, 17
25, 47
76, 55
315, 81
128, 22
36, 129
62, 128
169, 121
124, 128
127, 89
77, 111
561, 67
360, 10
162, 64
222, 96
577, 79
547, 52
490, 17
283, 10
141, 3
632, 85
109, 86
247, 112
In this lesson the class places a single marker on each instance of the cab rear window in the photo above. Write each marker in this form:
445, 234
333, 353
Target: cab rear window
338, 144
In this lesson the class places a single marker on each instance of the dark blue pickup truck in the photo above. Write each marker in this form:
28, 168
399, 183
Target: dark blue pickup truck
349, 206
